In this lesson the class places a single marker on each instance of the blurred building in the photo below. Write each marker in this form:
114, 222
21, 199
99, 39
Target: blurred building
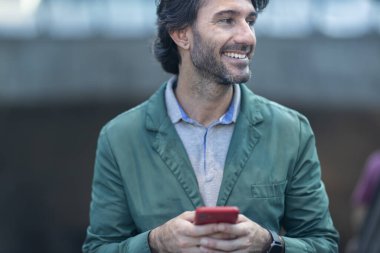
337, 40
68, 66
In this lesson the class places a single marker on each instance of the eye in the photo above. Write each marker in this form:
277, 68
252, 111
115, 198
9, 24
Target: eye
226, 21
251, 23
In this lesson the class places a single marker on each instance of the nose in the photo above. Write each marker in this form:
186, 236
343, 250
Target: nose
245, 34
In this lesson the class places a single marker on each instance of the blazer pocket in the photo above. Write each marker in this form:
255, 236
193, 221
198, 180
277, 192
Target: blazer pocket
275, 190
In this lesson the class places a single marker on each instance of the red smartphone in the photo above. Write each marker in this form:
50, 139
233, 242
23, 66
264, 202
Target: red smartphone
216, 214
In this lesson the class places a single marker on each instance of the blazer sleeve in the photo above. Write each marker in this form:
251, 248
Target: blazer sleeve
307, 219
111, 228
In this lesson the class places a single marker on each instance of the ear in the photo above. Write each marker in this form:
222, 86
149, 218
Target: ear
181, 38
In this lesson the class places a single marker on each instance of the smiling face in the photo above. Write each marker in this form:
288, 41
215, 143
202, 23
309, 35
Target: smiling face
224, 40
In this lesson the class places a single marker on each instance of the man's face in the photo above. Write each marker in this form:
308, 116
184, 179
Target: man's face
224, 40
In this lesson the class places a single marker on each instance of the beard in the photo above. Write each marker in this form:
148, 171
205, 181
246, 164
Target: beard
210, 67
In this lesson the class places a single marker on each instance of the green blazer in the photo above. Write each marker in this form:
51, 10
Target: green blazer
143, 177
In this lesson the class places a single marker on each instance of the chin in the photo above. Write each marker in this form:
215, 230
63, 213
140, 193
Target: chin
235, 79
232, 81
225, 76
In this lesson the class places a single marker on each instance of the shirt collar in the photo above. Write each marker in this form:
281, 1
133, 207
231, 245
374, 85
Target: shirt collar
176, 112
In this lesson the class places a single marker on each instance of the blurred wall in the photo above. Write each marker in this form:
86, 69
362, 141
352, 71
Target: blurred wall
341, 72
56, 95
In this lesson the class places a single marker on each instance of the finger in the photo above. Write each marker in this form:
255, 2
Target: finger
224, 236
192, 250
201, 230
237, 230
226, 245
208, 250
188, 242
241, 218
188, 215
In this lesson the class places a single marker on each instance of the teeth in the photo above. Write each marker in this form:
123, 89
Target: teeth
236, 56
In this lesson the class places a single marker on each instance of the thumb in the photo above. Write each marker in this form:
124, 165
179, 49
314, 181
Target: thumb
188, 215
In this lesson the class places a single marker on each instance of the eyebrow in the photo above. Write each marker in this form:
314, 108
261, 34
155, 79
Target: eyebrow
252, 14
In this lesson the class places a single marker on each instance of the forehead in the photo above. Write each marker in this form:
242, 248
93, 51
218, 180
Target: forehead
211, 7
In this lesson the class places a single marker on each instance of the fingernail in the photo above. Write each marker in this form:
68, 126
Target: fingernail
204, 242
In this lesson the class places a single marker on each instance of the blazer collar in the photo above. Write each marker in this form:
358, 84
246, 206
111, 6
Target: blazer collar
250, 106
156, 113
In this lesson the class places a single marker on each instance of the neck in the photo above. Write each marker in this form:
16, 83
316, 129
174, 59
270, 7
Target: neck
203, 100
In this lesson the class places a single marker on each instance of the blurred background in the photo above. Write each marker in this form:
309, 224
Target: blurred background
67, 67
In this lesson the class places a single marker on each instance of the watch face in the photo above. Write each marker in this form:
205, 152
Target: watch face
276, 245
275, 249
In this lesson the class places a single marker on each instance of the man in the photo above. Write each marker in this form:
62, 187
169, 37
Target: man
204, 139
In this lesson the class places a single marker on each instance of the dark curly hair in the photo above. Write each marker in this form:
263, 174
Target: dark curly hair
175, 15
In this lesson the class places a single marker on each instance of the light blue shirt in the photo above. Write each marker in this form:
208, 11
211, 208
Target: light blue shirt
206, 147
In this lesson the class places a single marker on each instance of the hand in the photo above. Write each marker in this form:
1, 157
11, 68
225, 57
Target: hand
244, 237
180, 235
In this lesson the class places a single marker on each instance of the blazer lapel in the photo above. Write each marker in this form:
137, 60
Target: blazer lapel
244, 139
170, 148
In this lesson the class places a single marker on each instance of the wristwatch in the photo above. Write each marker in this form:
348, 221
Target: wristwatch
276, 245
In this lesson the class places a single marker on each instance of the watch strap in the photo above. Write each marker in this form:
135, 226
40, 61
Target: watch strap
276, 245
